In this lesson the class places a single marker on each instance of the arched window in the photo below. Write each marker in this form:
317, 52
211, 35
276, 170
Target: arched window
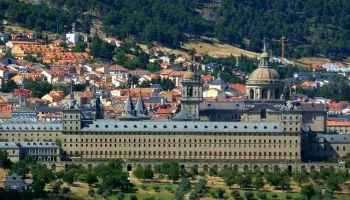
263, 114
251, 94
277, 94
189, 91
264, 94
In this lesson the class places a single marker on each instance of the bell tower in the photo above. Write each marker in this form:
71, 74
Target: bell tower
71, 114
192, 92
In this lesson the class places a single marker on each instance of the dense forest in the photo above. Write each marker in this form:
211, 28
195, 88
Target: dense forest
312, 27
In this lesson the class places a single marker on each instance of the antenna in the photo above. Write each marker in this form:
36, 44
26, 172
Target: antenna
282, 44
73, 27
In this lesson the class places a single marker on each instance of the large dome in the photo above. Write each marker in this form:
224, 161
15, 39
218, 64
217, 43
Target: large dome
264, 74
189, 75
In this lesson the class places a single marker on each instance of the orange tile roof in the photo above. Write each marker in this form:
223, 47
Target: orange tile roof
164, 111
177, 73
334, 106
173, 93
166, 71
207, 77
239, 87
117, 68
338, 123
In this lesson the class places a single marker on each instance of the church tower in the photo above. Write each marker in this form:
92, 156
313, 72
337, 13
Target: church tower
71, 114
264, 83
96, 105
192, 92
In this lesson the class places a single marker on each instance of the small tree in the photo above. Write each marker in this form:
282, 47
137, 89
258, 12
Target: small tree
91, 178
68, 177
120, 196
65, 190
235, 194
212, 172
248, 195
289, 197
156, 188
258, 183
308, 191
274, 196
56, 187
148, 172
139, 172
261, 195
220, 193
91, 192
169, 189
144, 187
133, 197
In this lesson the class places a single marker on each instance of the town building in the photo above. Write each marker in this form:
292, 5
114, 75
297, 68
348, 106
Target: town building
260, 130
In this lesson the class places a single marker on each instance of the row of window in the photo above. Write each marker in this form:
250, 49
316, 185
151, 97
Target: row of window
179, 145
184, 153
183, 133
174, 126
179, 140
328, 148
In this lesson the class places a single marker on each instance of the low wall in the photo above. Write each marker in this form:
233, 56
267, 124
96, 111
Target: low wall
130, 165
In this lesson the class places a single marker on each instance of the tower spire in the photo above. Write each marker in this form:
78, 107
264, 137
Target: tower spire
71, 90
140, 108
264, 58
129, 107
264, 50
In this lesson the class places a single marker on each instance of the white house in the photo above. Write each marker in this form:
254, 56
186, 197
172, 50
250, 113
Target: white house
116, 93
47, 75
72, 38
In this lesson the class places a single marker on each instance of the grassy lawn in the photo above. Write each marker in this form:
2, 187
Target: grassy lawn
143, 196
163, 194
280, 195
161, 185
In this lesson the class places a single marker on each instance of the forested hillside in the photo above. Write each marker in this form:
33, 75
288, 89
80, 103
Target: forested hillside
312, 27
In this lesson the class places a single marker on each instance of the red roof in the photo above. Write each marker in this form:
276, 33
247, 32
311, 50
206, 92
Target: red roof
117, 68
239, 87
164, 111
335, 123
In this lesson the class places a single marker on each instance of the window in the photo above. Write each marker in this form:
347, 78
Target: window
263, 114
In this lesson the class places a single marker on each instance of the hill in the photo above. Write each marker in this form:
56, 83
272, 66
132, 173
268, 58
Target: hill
312, 27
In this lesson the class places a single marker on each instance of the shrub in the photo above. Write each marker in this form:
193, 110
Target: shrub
120, 196
91, 192
133, 197
201, 174
220, 193
144, 187
261, 195
235, 194
249, 195
149, 198
169, 189
289, 197
156, 188
212, 172
274, 196
65, 190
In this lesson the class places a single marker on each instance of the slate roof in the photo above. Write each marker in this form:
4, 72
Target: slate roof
183, 115
8, 145
218, 81
14, 180
332, 138
30, 126
183, 126
222, 106
38, 145
312, 107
